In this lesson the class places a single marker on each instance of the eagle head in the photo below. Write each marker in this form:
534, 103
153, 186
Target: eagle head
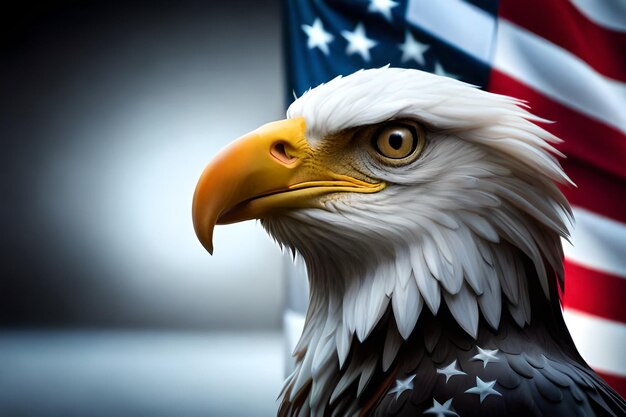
404, 192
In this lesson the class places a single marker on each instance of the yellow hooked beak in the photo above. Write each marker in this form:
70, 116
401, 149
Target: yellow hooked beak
264, 171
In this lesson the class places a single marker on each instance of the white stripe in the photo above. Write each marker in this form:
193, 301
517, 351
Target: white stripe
560, 75
461, 24
598, 243
608, 13
601, 342
531, 59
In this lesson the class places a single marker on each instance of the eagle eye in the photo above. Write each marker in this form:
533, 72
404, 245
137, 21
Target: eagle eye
399, 143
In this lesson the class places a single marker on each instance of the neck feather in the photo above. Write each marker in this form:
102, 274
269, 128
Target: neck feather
335, 368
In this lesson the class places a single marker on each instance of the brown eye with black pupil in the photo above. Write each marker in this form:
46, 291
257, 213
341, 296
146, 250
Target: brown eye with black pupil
396, 142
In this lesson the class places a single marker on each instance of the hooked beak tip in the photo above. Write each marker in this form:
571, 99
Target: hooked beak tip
207, 242
203, 226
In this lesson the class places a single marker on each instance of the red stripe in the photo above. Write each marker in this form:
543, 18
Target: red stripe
594, 292
585, 139
596, 191
618, 383
563, 24
596, 153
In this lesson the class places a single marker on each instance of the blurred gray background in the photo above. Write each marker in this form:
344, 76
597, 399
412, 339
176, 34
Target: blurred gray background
109, 114
108, 304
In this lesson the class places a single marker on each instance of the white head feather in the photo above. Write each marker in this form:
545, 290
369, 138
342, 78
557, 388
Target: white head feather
450, 226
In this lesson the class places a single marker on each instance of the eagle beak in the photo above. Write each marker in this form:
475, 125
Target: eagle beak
267, 170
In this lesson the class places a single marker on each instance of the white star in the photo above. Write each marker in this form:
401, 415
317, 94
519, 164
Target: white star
402, 385
483, 389
412, 49
358, 42
440, 71
383, 7
486, 356
318, 37
450, 371
441, 410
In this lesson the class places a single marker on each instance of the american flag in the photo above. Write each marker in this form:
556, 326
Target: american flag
567, 58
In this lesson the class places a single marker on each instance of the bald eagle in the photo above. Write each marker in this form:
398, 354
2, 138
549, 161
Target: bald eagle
429, 218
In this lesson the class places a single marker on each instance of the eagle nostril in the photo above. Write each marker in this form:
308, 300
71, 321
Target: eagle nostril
279, 151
